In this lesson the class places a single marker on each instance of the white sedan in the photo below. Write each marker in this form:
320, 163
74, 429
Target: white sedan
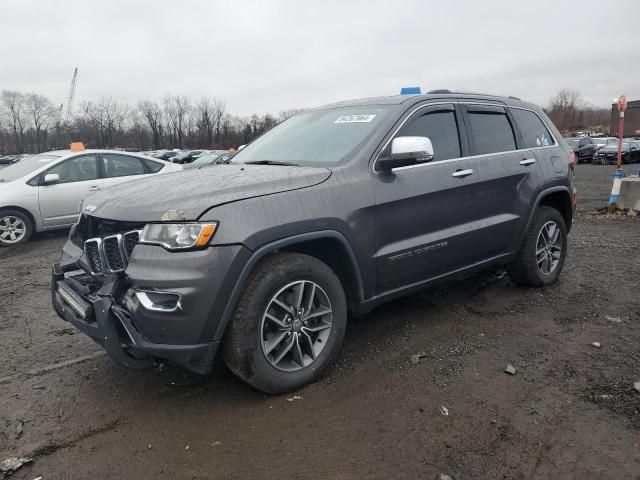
42, 192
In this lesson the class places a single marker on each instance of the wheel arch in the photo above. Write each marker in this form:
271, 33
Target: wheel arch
34, 223
328, 246
560, 199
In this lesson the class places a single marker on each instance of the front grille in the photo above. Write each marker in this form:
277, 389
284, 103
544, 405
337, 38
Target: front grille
110, 254
94, 227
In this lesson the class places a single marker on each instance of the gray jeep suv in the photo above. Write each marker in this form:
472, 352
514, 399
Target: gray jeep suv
330, 213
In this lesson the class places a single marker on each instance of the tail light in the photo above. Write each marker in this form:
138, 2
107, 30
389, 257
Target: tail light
572, 160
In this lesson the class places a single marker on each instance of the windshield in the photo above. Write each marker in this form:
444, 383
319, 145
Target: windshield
206, 158
25, 166
600, 141
573, 142
317, 138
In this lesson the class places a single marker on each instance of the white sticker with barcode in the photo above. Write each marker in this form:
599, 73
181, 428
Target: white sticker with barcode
355, 119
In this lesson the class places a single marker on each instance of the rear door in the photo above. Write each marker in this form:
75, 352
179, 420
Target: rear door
425, 213
510, 176
78, 178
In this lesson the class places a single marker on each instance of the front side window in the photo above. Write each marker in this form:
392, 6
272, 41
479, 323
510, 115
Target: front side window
534, 132
77, 169
441, 128
492, 132
121, 165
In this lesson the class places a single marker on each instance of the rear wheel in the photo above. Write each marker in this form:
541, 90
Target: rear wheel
289, 323
544, 248
15, 227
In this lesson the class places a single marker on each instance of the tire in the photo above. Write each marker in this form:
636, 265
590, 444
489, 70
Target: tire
525, 270
15, 228
254, 330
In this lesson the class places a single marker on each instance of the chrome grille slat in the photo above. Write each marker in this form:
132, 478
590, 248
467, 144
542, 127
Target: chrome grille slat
110, 254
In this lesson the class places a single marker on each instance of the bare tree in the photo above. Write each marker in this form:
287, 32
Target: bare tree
176, 108
14, 105
152, 115
42, 113
219, 109
205, 121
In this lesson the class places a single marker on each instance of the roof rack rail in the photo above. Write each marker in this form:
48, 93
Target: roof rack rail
447, 91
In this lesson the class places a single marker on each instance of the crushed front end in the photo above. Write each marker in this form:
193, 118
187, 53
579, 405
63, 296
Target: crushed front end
142, 302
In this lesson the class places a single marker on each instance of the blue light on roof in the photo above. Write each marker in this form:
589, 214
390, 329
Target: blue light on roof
410, 91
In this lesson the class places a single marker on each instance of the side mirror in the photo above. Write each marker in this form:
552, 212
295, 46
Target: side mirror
407, 151
51, 179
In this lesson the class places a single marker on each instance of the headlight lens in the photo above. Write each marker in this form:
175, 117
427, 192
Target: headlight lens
177, 236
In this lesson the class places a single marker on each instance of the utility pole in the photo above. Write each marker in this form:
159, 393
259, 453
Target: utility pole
617, 178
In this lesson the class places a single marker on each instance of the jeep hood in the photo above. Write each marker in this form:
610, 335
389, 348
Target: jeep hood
186, 195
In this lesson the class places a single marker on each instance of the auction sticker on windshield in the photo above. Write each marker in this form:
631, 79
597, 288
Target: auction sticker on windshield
355, 119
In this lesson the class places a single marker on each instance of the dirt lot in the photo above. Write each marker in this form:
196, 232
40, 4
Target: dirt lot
569, 412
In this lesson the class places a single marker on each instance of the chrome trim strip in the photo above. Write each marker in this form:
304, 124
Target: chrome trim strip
453, 102
147, 303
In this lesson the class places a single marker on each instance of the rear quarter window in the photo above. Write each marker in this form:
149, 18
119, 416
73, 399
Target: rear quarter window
532, 128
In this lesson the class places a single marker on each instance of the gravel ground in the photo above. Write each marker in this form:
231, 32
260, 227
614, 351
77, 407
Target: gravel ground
570, 411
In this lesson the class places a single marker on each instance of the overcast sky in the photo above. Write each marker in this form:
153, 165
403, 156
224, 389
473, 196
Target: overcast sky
268, 56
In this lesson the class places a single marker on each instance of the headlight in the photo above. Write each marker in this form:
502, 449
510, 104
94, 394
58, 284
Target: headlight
178, 236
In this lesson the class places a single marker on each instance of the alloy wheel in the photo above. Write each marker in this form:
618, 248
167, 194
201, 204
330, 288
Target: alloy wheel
296, 326
548, 248
12, 229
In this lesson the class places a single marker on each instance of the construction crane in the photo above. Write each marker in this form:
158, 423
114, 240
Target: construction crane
72, 94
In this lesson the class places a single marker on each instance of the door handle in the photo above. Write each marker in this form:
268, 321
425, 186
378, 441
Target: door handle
462, 173
93, 188
527, 161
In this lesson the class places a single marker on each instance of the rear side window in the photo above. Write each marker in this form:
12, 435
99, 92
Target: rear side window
492, 132
154, 167
534, 133
121, 165
442, 130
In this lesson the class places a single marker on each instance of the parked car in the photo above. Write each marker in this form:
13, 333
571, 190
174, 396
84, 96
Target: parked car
330, 213
583, 147
603, 141
9, 159
42, 192
609, 153
166, 154
186, 156
211, 158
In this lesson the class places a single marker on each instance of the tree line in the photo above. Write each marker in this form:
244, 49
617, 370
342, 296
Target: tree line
31, 123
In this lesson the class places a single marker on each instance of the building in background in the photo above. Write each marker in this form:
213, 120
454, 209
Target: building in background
631, 120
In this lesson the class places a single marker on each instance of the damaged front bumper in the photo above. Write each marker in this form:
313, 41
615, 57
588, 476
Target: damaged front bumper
112, 326
164, 306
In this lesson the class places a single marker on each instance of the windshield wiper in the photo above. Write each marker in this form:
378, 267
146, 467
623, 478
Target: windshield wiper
272, 162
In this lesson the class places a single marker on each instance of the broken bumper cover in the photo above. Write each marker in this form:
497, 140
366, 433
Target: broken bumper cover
112, 327
134, 336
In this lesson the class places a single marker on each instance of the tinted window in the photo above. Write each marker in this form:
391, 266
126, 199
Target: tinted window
76, 169
491, 132
121, 165
533, 131
442, 130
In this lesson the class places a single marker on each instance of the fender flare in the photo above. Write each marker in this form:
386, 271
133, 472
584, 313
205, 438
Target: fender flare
271, 247
541, 195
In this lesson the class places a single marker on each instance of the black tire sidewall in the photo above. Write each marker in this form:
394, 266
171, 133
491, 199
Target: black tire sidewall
548, 214
253, 365
26, 220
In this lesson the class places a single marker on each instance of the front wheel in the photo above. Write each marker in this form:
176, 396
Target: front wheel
15, 227
289, 323
543, 251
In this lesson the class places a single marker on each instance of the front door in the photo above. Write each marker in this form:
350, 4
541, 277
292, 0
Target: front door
425, 213
78, 178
